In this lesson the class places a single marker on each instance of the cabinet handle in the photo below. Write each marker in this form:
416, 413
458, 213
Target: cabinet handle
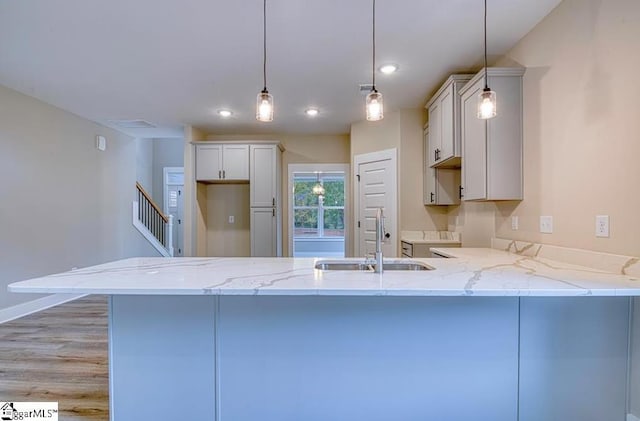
435, 155
220, 174
460, 192
274, 212
224, 174
432, 197
273, 201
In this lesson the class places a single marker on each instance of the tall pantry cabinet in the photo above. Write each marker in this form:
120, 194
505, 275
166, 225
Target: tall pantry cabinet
265, 163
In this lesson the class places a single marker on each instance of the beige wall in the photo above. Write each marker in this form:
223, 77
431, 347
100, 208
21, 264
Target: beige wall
223, 238
299, 149
581, 126
414, 215
402, 130
476, 221
63, 203
372, 136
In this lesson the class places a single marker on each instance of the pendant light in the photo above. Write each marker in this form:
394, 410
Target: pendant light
318, 189
374, 104
264, 104
487, 98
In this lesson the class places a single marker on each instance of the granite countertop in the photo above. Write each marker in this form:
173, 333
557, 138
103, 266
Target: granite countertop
470, 272
430, 237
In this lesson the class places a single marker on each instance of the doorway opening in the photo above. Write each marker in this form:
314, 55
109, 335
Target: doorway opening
173, 198
317, 210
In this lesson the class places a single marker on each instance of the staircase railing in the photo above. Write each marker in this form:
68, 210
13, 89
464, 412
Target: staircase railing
158, 224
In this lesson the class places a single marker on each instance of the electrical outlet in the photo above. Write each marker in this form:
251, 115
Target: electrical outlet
514, 223
546, 224
602, 226
232, 219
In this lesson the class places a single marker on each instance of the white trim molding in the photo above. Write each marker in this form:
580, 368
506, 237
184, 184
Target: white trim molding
34, 306
324, 168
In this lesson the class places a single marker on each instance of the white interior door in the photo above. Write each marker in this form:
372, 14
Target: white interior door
174, 205
376, 187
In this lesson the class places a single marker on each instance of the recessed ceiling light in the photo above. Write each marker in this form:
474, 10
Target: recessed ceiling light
311, 112
387, 69
225, 113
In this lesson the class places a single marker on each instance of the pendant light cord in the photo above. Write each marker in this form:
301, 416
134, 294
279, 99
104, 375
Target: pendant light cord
486, 82
373, 64
264, 45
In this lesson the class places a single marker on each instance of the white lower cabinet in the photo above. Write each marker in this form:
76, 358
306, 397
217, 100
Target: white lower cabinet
263, 232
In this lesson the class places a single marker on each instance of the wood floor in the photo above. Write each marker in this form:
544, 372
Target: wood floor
59, 354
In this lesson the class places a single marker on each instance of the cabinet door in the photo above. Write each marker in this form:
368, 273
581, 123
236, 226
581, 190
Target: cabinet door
429, 174
434, 132
263, 175
208, 162
447, 140
235, 162
430, 186
474, 145
263, 232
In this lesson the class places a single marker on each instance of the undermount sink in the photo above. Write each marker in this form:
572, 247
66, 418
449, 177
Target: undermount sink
369, 267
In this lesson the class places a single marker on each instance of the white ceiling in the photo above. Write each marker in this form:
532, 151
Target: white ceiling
175, 62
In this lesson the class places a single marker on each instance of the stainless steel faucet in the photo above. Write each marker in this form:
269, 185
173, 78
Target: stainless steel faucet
380, 236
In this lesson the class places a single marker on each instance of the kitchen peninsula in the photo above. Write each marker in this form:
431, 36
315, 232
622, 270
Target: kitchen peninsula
487, 334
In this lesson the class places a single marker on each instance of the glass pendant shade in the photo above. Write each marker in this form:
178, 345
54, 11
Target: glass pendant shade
264, 106
318, 189
486, 104
375, 110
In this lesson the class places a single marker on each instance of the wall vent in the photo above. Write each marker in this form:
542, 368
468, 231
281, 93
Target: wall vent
365, 88
133, 124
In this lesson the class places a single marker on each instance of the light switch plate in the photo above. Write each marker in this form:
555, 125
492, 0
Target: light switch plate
514, 223
602, 226
546, 224
232, 219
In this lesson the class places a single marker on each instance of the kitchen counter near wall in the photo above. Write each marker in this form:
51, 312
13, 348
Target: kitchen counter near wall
422, 237
420, 243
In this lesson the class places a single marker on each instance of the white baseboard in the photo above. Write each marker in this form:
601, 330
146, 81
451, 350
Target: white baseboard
631, 417
30, 307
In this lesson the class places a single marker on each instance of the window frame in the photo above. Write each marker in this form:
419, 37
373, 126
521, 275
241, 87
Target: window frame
320, 207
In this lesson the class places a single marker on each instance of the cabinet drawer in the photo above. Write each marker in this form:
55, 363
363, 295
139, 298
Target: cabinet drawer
407, 249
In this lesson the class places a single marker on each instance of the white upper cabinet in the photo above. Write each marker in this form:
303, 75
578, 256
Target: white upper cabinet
222, 162
235, 162
441, 185
444, 121
492, 149
209, 162
264, 175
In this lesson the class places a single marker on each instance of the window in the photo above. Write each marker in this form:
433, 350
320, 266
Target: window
318, 216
